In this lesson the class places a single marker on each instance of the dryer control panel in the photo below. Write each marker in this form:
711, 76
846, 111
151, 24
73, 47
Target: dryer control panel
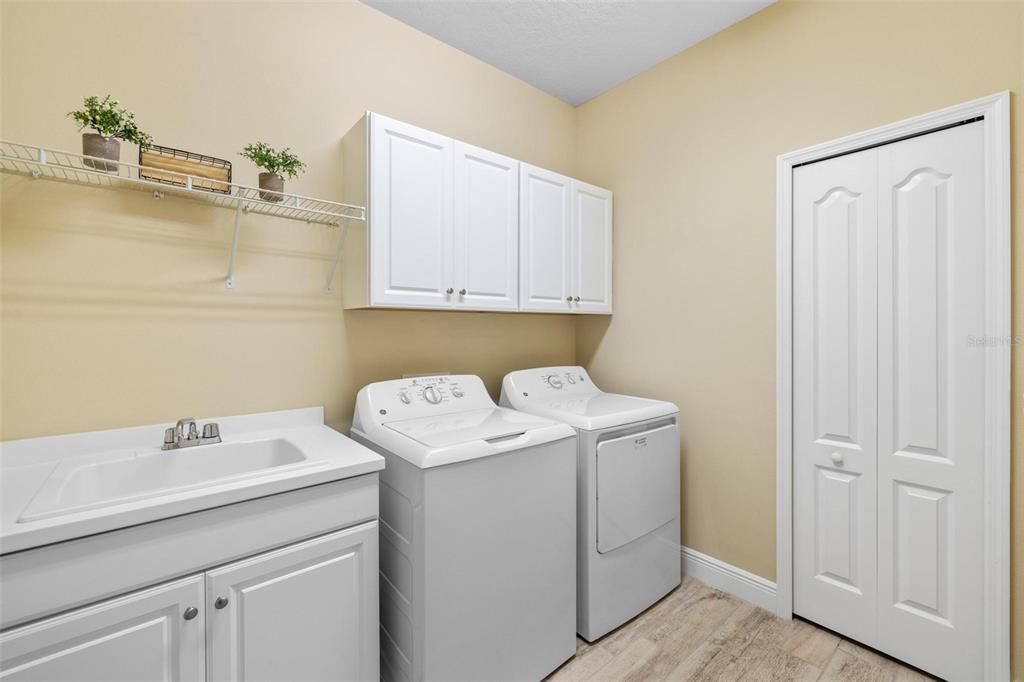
425, 396
553, 382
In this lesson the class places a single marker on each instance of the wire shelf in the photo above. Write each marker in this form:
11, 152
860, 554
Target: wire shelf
53, 164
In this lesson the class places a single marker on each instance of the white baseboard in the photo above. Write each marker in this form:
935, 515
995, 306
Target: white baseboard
727, 578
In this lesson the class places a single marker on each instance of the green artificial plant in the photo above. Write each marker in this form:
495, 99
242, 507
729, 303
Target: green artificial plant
108, 119
283, 163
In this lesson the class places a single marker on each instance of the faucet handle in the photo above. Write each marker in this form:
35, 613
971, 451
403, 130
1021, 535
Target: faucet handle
169, 436
211, 430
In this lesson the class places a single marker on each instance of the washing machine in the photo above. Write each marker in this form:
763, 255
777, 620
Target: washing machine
627, 491
477, 532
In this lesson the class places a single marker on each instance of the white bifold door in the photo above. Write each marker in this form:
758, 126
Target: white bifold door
888, 398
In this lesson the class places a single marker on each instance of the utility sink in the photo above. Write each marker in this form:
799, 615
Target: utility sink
132, 475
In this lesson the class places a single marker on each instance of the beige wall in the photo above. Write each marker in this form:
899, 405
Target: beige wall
689, 148
114, 308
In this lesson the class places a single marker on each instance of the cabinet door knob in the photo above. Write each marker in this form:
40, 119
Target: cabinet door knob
220, 602
449, 291
837, 459
576, 298
568, 299
462, 292
191, 612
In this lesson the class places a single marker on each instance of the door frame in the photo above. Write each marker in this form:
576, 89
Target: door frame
994, 112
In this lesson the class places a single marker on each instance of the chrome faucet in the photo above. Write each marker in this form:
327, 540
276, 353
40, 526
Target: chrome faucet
185, 434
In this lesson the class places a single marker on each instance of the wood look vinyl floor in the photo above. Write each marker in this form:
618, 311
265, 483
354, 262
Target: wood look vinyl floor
699, 633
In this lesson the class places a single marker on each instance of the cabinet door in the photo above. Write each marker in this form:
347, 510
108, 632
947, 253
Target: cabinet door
486, 229
304, 612
591, 287
410, 215
136, 638
545, 219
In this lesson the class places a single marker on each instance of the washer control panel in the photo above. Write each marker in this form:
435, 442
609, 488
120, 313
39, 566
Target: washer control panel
423, 396
550, 382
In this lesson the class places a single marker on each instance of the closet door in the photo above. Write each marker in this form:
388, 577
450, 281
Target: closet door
486, 229
834, 393
931, 433
545, 223
411, 214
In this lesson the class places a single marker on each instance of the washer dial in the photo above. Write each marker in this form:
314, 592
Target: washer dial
431, 395
554, 382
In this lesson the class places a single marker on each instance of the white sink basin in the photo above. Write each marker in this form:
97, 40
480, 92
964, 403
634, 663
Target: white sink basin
118, 478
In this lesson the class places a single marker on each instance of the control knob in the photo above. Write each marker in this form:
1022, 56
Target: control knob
554, 382
431, 395
404, 397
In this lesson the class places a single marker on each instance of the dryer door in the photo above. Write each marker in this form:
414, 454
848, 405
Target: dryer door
637, 485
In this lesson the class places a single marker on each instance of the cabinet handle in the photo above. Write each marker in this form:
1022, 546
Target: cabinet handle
449, 291
462, 292
220, 602
191, 612
576, 298
568, 299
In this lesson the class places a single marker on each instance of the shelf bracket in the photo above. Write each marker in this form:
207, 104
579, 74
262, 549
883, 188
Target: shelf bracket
229, 283
329, 286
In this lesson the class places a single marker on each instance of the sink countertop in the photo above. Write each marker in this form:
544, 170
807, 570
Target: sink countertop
26, 465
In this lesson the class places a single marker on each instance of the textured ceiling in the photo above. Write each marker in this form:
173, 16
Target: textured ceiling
572, 49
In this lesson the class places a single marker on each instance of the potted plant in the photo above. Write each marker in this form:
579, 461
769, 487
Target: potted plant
110, 123
276, 165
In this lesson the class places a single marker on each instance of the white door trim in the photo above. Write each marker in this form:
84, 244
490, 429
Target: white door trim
995, 111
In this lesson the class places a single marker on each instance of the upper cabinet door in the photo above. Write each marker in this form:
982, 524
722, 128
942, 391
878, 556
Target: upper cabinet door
545, 221
591, 287
304, 612
486, 255
411, 214
155, 634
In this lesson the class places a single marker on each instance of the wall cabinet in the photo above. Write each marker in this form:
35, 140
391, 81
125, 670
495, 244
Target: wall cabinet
452, 226
565, 242
306, 611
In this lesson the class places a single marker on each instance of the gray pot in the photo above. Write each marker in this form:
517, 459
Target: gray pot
274, 184
102, 148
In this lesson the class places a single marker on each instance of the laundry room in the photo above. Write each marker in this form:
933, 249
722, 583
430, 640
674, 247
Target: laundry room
587, 340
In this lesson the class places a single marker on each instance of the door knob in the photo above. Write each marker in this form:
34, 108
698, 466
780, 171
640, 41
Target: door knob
837, 458
220, 602
191, 612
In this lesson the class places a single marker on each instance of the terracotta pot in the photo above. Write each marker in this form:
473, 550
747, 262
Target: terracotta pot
274, 184
102, 148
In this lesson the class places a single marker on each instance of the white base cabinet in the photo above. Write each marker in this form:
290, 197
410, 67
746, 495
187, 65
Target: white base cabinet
455, 227
304, 612
257, 602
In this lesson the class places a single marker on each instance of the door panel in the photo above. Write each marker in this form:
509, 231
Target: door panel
545, 221
141, 637
931, 435
637, 485
486, 252
834, 393
305, 612
591, 248
411, 210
